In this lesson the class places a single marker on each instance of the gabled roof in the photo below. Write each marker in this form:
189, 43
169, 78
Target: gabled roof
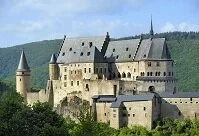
53, 59
153, 49
130, 98
123, 50
82, 49
23, 65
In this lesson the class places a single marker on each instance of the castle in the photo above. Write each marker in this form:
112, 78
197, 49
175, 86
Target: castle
126, 82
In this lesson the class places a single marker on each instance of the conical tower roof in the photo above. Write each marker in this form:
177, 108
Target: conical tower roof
53, 59
23, 65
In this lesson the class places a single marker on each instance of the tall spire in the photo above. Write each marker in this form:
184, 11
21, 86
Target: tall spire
23, 65
151, 31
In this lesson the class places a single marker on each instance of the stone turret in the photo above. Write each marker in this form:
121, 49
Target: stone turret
53, 68
23, 77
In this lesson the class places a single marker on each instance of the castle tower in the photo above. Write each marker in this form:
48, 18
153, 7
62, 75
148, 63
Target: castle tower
23, 77
53, 68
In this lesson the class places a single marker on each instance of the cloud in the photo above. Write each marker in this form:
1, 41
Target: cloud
183, 26
75, 7
168, 27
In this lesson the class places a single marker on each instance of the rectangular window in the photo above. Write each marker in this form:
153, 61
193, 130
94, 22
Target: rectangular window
65, 84
144, 108
158, 64
71, 83
65, 69
89, 70
84, 70
65, 77
114, 110
149, 64
114, 115
77, 83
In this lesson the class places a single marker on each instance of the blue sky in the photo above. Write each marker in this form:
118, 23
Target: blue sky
24, 21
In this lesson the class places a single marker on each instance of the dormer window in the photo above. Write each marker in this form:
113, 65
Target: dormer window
82, 43
81, 54
127, 49
90, 44
63, 53
114, 50
70, 49
88, 53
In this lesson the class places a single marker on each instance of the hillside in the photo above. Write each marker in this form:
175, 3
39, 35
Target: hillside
38, 55
184, 48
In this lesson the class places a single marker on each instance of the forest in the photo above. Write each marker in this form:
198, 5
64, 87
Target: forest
19, 119
182, 45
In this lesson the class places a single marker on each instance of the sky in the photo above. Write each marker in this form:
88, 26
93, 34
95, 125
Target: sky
24, 21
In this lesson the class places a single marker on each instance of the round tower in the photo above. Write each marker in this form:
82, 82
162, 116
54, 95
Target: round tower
23, 77
53, 68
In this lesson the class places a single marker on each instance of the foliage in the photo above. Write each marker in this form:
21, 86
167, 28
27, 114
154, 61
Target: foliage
17, 119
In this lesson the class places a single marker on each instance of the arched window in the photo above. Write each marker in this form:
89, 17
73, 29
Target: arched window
147, 73
142, 73
156, 73
129, 75
151, 73
123, 75
119, 75
151, 89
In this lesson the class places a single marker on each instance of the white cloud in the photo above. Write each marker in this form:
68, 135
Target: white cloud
168, 27
183, 26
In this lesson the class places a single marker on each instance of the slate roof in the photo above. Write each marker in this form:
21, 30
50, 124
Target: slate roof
23, 65
124, 49
150, 78
77, 50
130, 50
130, 98
179, 95
104, 98
53, 59
153, 49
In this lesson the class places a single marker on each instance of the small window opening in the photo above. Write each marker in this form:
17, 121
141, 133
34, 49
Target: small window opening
117, 56
129, 55
88, 53
63, 53
70, 49
82, 43
90, 44
81, 54
144, 108
114, 50
127, 49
